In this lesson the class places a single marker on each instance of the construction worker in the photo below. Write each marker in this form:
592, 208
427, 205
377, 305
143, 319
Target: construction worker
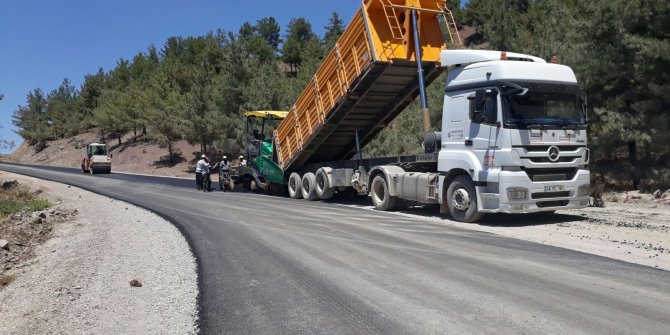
224, 172
225, 164
198, 169
204, 171
243, 162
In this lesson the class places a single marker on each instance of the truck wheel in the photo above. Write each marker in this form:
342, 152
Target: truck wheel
295, 186
381, 198
309, 187
462, 200
323, 188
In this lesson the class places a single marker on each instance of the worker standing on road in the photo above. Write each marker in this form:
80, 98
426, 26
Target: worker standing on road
205, 169
198, 169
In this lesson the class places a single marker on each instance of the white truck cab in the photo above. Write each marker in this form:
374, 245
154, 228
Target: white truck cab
516, 127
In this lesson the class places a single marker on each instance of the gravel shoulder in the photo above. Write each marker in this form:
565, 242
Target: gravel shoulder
79, 280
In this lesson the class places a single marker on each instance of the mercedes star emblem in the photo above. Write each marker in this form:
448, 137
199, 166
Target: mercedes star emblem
553, 153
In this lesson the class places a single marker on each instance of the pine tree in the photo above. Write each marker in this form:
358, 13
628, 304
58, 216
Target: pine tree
32, 120
62, 109
334, 30
269, 30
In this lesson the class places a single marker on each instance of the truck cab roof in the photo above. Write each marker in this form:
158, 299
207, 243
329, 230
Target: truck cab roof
474, 68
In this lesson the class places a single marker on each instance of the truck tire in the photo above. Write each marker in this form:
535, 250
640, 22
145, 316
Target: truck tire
379, 190
323, 188
309, 187
462, 200
295, 186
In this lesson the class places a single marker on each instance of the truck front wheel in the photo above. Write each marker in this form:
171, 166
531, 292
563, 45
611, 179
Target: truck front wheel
381, 198
462, 200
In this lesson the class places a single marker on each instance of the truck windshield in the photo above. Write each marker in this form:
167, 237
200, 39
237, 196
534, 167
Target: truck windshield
543, 108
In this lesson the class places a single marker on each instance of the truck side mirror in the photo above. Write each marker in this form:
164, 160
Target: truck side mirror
479, 117
477, 105
480, 100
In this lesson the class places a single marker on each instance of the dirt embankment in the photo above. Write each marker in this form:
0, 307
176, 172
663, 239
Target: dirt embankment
135, 154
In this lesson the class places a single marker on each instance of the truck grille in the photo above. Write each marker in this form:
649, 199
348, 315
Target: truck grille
551, 174
544, 148
547, 160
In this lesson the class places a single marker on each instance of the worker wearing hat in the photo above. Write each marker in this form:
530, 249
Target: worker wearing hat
205, 174
224, 173
225, 164
198, 170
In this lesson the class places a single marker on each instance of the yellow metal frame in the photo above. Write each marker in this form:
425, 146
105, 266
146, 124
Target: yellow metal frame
278, 115
380, 32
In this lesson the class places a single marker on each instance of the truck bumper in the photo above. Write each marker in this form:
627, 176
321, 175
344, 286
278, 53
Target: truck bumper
539, 196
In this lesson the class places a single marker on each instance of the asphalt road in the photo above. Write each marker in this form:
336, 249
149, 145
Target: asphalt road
272, 265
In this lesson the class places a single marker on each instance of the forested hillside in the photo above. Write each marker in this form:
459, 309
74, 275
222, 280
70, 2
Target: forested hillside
196, 88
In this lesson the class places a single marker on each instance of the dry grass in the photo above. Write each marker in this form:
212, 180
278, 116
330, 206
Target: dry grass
15, 197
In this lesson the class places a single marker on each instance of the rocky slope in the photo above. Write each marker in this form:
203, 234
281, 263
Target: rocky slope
137, 155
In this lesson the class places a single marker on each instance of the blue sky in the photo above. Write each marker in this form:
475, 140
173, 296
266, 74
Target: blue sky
42, 42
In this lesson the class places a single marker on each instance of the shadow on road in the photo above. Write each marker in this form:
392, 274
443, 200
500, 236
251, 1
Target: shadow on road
433, 211
492, 220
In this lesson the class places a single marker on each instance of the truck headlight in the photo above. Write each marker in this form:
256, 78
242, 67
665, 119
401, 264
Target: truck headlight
583, 190
517, 193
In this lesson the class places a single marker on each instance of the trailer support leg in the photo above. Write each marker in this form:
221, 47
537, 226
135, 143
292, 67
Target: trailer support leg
359, 156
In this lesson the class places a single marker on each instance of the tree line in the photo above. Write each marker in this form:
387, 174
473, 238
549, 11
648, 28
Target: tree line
193, 88
197, 88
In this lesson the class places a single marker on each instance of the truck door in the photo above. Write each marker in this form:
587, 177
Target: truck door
485, 132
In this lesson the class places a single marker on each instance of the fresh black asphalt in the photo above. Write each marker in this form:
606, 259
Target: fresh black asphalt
272, 265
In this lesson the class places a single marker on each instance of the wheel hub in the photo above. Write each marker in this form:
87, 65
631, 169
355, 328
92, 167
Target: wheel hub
461, 199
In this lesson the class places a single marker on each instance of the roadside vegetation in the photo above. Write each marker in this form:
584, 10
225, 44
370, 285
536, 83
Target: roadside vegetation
195, 88
21, 228
15, 198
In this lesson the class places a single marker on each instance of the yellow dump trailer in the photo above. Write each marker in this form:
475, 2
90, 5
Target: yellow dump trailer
368, 78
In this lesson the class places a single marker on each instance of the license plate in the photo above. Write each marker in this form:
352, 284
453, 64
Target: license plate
554, 188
